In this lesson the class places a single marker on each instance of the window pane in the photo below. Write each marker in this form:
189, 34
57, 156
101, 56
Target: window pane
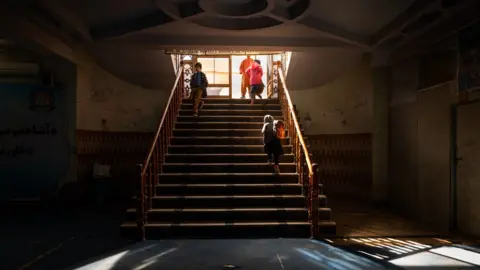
208, 64
218, 91
222, 78
210, 77
221, 64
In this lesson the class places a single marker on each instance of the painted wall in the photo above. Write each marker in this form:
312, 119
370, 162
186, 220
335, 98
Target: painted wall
312, 69
105, 102
341, 106
37, 134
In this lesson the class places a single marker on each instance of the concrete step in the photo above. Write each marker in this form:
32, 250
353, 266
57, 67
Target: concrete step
218, 132
232, 201
193, 124
227, 214
230, 178
225, 106
258, 229
233, 112
234, 101
222, 118
224, 158
221, 149
228, 189
217, 140
226, 168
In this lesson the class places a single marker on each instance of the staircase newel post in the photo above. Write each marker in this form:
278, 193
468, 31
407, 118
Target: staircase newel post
313, 179
141, 202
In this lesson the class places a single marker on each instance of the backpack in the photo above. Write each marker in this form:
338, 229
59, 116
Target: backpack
279, 127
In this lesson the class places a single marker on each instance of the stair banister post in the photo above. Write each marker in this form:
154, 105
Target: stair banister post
141, 203
313, 179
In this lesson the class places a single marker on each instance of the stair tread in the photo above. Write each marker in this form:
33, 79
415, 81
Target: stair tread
224, 209
220, 137
228, 174
229, 185
234, 104
226, 196
236, 110
217, 129
214, 145
224, 224
226, 164
243, 209
236, 123
224, 154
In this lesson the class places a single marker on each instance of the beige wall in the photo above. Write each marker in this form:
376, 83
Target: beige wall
105, 102
343, 106
420, 133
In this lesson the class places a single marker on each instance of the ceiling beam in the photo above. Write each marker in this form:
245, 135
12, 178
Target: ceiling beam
284, 43
297, 12
167, 12
41, 18
335, 32
409, 15
179, 10
440, 31
125, 27
69, 18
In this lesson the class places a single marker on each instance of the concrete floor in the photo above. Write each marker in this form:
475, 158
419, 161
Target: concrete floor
87, 238
269, 254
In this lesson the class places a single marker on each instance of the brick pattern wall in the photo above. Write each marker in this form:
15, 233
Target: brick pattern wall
345, 163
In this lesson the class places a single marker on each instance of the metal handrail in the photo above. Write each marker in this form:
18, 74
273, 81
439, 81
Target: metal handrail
152, 166
302, 155
295, 121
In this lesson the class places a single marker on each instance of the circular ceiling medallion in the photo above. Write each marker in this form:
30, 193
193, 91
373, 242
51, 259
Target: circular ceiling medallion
234, 8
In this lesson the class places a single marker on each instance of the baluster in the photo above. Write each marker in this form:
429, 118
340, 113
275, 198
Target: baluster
314, 200
163, 146
141, 203
150, 195
157, 166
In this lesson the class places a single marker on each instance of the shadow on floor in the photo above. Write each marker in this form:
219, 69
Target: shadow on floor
55, 236
269, 254
58, 237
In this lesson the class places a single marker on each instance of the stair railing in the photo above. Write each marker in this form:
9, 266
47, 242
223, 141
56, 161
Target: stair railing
306, 170
152, 166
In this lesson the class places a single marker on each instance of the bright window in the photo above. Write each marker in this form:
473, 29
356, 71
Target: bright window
216, 69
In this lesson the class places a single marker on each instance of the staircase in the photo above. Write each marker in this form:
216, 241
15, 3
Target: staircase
216, 181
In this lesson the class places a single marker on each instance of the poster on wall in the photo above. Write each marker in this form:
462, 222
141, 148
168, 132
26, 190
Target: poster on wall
469, 58
33, 140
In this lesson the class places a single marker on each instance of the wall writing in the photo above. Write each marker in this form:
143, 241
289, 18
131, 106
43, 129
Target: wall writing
14, 151
33, 140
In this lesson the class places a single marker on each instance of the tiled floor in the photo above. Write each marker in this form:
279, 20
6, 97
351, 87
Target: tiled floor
357, 218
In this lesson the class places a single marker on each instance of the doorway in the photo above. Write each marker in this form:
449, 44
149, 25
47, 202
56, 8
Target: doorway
217, 69
236, 77
467, 169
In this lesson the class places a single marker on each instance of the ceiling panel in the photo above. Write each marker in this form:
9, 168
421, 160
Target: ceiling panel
364, 17
97, 12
